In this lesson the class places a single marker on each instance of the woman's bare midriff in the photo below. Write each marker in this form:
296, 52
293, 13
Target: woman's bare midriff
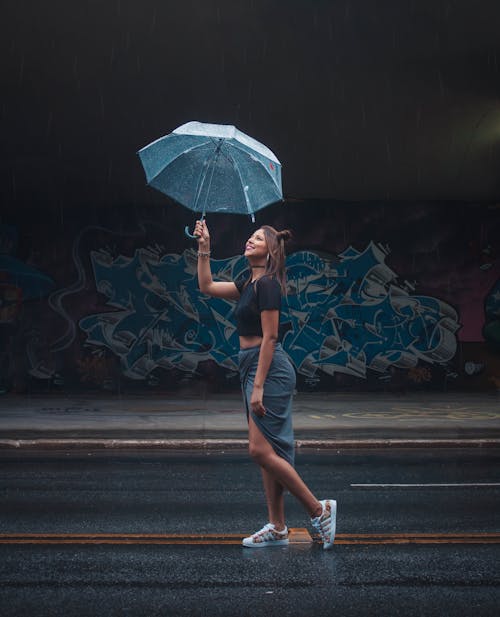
250, 341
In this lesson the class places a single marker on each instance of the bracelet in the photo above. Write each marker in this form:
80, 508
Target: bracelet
202, 254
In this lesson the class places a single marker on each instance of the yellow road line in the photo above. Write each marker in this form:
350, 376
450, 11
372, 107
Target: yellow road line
419, 538
297, 536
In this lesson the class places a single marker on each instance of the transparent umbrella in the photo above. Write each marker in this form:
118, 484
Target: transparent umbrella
213, 168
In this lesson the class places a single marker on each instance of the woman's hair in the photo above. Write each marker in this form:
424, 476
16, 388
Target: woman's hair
275, 265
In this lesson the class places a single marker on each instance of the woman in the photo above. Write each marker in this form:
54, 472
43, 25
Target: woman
267, 379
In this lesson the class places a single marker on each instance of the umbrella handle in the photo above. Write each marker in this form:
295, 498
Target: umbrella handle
189, 234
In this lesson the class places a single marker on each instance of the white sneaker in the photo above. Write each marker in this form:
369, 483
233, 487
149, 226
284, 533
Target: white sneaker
267, 536
325, 523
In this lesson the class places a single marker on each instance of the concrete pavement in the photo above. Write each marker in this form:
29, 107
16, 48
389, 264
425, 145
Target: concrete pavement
321, 420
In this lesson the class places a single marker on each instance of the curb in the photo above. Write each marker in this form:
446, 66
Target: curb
236, 444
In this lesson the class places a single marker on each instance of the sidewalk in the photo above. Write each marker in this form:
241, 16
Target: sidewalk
321, 420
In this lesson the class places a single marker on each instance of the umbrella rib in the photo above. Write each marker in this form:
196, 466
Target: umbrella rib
201, 181
240, 149
235, 166
196, 146
203, 175
213, 162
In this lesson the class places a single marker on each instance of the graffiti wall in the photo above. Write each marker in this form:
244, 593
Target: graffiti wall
381, 296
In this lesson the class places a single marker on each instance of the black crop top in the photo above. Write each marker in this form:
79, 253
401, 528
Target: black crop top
262, 295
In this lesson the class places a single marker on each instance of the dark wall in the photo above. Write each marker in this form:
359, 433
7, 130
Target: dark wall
382, 296
358, 99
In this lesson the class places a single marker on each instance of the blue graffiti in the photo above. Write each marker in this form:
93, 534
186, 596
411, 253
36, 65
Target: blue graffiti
346, 316
355, 316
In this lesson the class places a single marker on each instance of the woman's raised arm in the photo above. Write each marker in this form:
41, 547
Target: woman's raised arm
206, 283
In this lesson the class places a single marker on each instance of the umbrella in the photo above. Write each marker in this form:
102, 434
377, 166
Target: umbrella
213, 168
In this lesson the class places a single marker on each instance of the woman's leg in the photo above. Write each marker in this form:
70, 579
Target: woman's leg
275, 500
279, 469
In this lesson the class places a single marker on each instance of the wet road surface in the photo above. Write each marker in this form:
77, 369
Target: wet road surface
440, 507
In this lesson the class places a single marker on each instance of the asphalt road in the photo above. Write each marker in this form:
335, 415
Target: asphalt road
416, 535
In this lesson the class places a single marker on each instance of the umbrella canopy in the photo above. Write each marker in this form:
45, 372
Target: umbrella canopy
213, 168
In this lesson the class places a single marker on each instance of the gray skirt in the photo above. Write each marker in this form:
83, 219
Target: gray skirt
276, 424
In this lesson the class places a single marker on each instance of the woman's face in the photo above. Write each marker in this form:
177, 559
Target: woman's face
256, 245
